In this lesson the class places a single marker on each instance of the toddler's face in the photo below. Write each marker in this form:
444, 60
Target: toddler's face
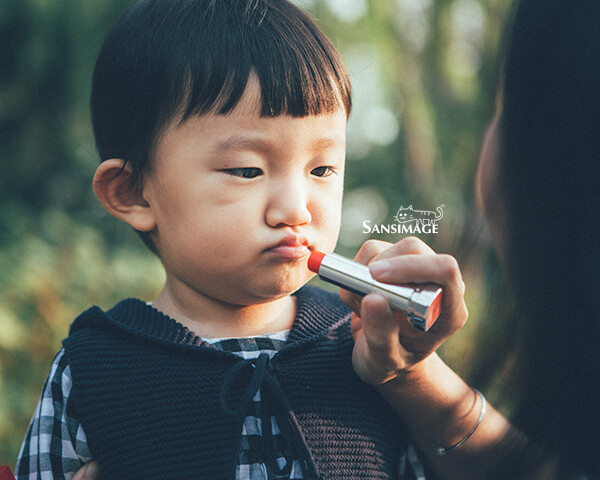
241, 200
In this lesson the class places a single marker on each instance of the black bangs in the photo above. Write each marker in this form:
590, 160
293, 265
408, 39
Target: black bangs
300, 72
166, 60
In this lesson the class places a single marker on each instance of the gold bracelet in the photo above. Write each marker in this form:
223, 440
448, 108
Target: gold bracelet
441, 451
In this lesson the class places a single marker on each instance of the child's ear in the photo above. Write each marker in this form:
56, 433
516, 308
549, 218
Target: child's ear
118, 192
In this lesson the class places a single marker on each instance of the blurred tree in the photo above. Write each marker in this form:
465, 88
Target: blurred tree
59, 253
424, 74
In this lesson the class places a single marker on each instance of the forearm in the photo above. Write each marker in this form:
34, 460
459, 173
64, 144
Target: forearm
439, 409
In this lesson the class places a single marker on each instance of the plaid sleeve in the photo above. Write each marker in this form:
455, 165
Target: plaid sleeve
55, 446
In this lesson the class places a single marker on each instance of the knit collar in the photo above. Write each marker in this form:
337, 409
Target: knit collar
317, 313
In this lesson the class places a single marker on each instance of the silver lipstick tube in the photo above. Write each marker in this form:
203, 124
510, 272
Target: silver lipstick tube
422, 304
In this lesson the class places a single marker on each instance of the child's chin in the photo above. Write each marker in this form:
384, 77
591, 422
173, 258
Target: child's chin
279, 291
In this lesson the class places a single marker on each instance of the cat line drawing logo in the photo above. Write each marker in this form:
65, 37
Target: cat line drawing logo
410, 221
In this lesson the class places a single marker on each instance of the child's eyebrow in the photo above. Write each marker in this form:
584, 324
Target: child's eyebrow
241, 142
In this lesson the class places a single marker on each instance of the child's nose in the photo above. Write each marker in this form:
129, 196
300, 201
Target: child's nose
288, 205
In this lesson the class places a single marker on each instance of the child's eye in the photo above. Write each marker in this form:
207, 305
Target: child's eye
246, 172
324, 171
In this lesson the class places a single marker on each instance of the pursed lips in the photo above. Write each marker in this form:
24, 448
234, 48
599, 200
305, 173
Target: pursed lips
291, 247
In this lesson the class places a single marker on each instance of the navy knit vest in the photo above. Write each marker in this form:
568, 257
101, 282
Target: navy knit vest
146, 391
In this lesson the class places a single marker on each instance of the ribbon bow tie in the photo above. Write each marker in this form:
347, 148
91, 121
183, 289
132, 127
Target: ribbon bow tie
273, 403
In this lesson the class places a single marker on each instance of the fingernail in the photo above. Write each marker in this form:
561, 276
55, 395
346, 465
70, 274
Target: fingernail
379, 268
377, 308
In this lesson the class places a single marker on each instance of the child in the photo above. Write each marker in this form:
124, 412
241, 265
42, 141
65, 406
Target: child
221, 126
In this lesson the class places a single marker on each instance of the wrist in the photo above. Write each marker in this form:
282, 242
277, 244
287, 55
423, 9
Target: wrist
418, 374
444, 450
432, 390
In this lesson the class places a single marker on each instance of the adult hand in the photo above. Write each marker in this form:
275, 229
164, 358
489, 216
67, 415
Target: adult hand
90, 471
387, 346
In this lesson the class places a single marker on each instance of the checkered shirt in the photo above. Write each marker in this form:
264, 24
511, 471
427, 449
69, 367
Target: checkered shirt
55, 446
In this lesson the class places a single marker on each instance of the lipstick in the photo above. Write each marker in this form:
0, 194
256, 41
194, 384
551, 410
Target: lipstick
422, 304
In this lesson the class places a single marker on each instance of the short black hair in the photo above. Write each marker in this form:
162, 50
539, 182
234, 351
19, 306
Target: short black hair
170, 59
166, 60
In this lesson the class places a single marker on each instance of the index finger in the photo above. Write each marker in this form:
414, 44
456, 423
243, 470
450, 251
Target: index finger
371, 249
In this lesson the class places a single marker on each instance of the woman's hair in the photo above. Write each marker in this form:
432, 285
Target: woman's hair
166, 60
549, 175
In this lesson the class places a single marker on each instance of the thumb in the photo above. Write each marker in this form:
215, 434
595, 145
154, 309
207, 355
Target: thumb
377, 352
380, 325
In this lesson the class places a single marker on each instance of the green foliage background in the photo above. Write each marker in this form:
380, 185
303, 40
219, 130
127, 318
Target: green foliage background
424, 74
